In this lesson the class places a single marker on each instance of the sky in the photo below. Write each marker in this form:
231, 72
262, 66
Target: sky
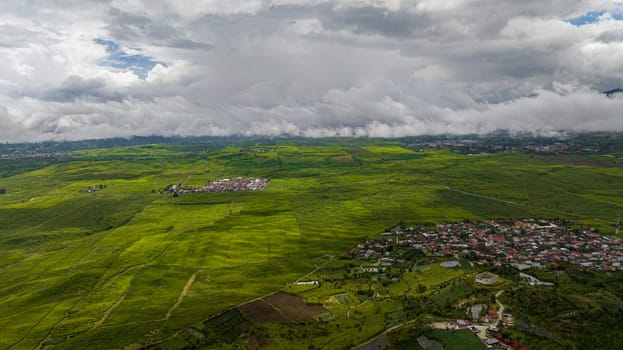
80, 69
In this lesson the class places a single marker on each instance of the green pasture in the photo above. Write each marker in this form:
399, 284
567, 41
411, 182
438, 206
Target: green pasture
109, 269
458, 340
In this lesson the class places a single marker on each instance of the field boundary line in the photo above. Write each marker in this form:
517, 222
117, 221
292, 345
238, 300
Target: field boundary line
483, 196
107, 313
53, 328
331, 257
63, 214
35, 325
112, 278
183, 294
513, 203
382, 333
352, 307
279, 311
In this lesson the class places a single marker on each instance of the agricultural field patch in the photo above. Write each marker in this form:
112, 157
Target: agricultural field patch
229, 325
262, 312
114, 267
343, 298
459, 340
282, 307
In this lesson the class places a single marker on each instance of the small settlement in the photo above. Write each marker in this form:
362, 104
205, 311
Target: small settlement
222, 185
520, 243
92, 189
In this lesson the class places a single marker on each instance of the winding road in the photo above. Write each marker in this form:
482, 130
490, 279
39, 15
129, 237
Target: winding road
501, 310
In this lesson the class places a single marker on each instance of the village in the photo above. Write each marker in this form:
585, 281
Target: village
519, 243
522, 244
237, 184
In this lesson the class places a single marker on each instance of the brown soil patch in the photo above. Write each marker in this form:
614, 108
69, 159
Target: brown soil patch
281, 307
262, 312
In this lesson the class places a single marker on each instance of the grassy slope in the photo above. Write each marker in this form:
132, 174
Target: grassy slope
458, 340
68, 258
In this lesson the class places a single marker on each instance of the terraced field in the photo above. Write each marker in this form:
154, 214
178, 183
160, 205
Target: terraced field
127, 267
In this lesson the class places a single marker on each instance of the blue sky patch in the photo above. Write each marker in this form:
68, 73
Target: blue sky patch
593, 17
117, 58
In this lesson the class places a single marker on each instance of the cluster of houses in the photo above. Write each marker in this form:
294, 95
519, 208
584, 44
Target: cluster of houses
259, 150
521, 243
490, 323
32, 154
492, 146
222, 185
237, 184
92, 189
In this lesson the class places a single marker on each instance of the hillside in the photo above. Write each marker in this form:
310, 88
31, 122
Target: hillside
128, 266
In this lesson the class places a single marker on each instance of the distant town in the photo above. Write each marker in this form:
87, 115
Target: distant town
472, 146
519, 243
557, 143
499, 141
238, 184
34, 154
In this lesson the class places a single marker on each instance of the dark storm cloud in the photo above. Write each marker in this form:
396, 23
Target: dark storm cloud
611, 36
77, 88
376, 21
162, 32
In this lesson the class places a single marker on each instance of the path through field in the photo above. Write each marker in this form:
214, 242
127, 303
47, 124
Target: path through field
107, 313
49, 335
511, 202
63, 214
180, 298
481, 196
352, 307
331, 257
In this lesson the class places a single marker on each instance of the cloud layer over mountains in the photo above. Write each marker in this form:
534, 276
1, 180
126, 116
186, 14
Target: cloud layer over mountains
75, 69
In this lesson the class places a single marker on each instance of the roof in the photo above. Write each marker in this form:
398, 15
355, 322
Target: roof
452, 263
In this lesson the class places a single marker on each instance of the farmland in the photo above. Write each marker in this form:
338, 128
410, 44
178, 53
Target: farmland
126, 266
281, 307
459, 340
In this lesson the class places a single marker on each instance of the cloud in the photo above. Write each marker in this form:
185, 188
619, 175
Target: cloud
307, 67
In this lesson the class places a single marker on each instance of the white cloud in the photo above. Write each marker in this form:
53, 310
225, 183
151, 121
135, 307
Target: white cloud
306, 67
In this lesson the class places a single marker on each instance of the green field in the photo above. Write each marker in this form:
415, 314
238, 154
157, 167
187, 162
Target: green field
125, 266
458, 340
